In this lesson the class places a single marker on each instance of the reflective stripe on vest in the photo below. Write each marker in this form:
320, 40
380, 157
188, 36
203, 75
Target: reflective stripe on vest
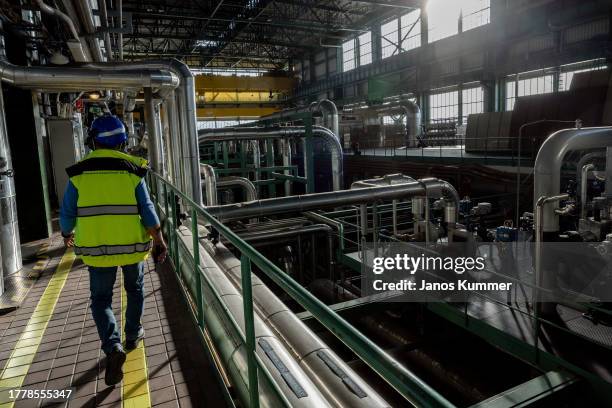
113, 249
107, 210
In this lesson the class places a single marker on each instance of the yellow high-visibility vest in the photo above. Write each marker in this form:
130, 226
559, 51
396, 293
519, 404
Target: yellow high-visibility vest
109, 230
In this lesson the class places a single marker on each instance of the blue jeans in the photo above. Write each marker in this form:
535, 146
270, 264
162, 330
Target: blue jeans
101, 282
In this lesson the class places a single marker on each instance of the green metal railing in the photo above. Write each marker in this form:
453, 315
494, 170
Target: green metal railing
411, 387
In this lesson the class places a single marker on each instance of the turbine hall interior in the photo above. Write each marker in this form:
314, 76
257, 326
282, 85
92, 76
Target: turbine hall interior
306, 203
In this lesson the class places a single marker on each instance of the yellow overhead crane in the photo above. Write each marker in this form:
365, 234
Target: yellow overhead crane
240, 96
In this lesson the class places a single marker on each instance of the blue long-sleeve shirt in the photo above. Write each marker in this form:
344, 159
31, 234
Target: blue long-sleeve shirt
68, 210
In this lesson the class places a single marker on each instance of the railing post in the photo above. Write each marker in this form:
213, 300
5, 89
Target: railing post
166, 213
249, 329
196, 266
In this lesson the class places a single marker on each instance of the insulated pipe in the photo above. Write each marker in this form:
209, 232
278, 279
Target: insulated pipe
185, 93
65, 79
207, 135
277, 359
155, 143
247, 186
45, 8
327, 104
543, 279
547, 169
256, 157
336, 380
331, 199
412, 111
175, 145
75, 46
10, 249
583, 188
285, 146
586, 159
105, 27
207, 173
120, 34
86, 18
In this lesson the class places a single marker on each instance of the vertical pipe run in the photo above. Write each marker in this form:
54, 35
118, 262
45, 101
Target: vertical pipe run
154, 137
10, 249
286, 152
583, 188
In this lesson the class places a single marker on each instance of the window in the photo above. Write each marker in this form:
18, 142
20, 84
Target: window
389, 34
365, 48
568, 71
348, 55
444, 106
410, 30
443, 18
475, 13
472, 101
530, 86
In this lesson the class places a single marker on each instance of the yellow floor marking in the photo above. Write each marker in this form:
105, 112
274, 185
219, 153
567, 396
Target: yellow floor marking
23, 353
135, 391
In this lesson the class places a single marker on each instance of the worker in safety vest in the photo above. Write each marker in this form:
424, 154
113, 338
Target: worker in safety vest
108, 217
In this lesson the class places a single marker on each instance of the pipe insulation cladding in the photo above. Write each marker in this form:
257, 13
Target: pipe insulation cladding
431, 187
186, 108
338, 384
547, 169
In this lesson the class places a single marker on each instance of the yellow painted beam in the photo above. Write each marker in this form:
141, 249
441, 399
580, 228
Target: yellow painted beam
235, 112
244, 83
236, 96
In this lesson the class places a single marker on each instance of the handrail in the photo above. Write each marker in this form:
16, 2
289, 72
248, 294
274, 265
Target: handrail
404, 381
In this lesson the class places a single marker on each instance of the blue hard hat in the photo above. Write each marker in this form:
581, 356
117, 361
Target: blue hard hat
108, 130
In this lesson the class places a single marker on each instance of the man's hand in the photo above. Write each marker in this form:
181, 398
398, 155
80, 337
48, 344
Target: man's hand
160, 250
68, 240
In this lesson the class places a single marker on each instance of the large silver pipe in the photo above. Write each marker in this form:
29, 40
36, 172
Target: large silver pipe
247, 186
584, 182
544, 279
75, 45
76, 79
120, 34
331, 199
85, 12
328, 105
174, 136
105, 27
232, 350
285, 146
155, 144
547, 170
10, 249
45, 8
185, 93
207, 173
588, 158
332, 142
318, 361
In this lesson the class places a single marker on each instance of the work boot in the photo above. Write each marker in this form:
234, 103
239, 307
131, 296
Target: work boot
131, 344
114, 366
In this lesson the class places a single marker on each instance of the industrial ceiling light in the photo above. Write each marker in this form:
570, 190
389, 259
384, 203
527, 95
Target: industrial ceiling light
94, 96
